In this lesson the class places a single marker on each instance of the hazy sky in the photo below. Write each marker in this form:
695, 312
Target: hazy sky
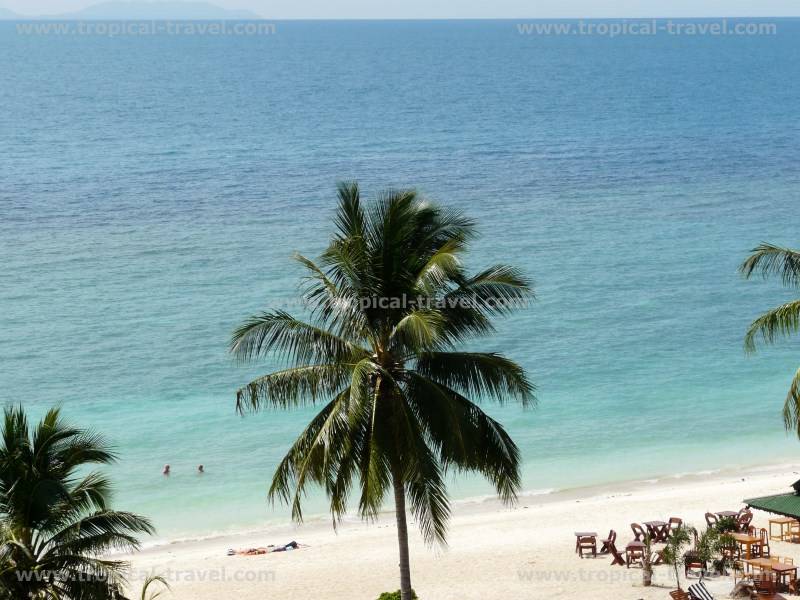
386, 9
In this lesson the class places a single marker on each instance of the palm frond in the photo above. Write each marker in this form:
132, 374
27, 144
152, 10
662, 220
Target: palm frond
283, 486
419, 330
372, 387
290, 338
769, 259
422, 477
781, 321
444, 265
350, 219
100, 532
91, 493
791, 407
293, 387
314, 455
317, 275
477, 373
498, 290
85, 447
466, 437
151, 581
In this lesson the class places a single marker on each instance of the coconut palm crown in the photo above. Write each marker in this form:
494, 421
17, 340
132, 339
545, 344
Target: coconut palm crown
55, 522
390, 303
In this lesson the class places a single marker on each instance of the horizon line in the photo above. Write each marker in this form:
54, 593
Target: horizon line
70, 17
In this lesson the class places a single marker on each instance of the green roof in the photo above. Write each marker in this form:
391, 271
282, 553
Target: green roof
787, 505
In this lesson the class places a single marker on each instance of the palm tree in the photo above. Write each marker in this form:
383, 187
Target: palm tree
389, 302
56, 523
771, 260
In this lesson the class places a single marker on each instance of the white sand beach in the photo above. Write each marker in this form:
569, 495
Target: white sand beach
494, 552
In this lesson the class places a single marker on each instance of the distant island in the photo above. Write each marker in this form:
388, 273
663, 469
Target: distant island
123, 10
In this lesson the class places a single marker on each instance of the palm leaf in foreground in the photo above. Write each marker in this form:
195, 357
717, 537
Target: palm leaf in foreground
55, 518
775, 261
151, 581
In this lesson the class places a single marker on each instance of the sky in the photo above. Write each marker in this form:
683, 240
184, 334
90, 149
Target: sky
433, 9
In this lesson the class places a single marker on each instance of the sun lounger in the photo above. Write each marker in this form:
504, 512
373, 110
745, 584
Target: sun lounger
698, 591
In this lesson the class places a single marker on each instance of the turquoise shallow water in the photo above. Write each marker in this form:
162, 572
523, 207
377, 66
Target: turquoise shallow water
153, 189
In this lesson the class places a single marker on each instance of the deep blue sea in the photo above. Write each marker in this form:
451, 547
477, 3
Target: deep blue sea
153, 190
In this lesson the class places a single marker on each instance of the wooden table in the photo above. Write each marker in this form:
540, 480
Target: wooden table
658, 530
747, 541
727, 513
779, 568
781, 522
583, 534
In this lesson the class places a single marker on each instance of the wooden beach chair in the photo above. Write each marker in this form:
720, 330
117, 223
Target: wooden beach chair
730, 552
674, 523
743, 521
740, 572
638, 532
617, 558
711, 519
794, 587
587, 544
763, 547
612, 537
692, 560
634, 554
679, 595
765, 584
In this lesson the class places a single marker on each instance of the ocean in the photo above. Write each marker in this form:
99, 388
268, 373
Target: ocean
154, 188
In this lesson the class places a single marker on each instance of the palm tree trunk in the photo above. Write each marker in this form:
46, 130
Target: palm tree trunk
402, 536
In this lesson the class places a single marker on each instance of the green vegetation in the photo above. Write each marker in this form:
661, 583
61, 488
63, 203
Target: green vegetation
775, 261
390, 304
151, 581
395, 595
726, 525
55, 522
712, 542
673, 551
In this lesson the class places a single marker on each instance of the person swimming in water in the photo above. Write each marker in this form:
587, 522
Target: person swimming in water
200, 469
166, 470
